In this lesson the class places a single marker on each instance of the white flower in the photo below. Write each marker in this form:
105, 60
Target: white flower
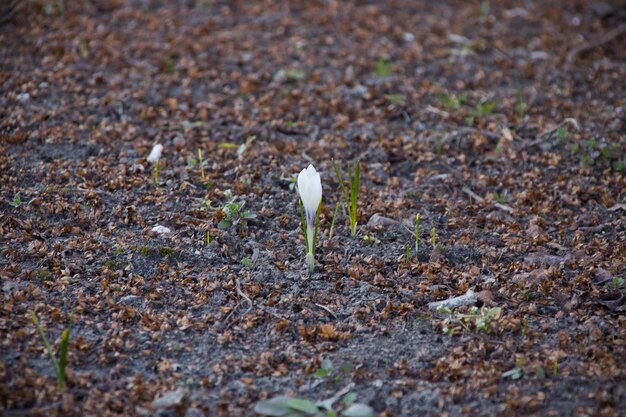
155, 154
310, 189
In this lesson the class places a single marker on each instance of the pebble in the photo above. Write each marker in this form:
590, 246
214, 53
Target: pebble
161, 229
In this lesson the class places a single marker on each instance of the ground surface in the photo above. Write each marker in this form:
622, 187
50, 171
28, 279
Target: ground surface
529, 216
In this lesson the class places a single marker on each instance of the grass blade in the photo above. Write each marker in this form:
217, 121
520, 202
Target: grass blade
46, 343
317, 226
343, 187
65, 340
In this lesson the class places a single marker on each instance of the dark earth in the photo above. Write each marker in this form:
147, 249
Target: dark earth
502, 123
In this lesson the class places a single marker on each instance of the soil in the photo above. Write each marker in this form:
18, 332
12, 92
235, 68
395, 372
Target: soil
501, 123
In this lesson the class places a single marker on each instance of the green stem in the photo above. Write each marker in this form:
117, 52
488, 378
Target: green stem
201, 164
156, 172
46, 343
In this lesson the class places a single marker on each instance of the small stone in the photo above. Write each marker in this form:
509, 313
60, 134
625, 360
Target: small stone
169, 399
23, 98
162, 230
377, 219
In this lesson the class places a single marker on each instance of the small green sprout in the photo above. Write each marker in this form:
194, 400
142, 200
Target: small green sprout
208, 237
244, 146
451, 101
383, 68
561, 133
479, 319
371, 240
482, 109
241, 149
156, 172
417, 233
352, 197
200, 162
540, 373
326, 369
59, 364
407, 254
499, 198
332, 223
17, 201
293, 180
294, 75
169, 63
234, 212
397, 100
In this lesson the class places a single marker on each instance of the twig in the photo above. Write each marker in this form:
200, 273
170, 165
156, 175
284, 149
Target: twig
548, 134
596, 43
323, 307
469, 298
90, 190
251, 303
328, 403
481, 199
504, 207
569, 120
472, 194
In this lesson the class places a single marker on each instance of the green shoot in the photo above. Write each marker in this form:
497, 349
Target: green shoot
60, 364
352, 197
17, 201
433, 237
201, 163
555, 369
407, 254
417, 233
371, 240
326, 369
383, 68
397, 100
482, 109
156, 173
234, 212
332, 223
244, 146
451, 101
208, 237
